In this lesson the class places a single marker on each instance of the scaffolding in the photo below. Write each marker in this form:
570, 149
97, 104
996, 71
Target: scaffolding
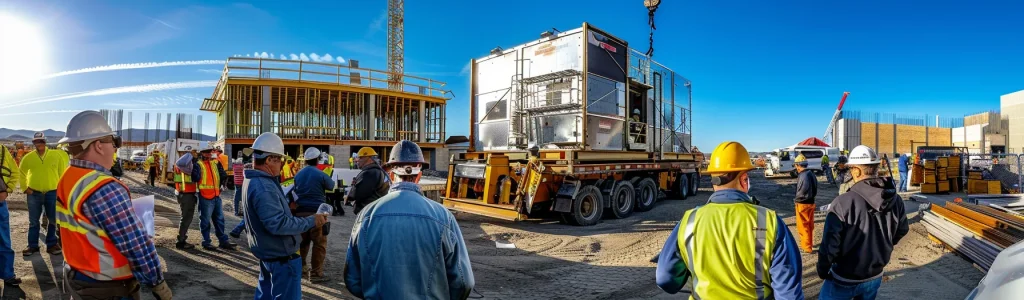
323, 102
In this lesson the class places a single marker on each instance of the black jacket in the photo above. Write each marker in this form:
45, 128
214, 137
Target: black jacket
371, 184
860, 231
806, 187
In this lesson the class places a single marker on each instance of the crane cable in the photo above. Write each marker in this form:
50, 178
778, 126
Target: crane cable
650, 21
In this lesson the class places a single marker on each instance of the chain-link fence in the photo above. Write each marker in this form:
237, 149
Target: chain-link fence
1003, 167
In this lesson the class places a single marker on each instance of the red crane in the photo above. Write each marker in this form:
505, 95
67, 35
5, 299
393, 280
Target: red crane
835, 118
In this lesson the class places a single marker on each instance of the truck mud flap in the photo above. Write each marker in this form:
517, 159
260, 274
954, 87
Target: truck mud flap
566, 192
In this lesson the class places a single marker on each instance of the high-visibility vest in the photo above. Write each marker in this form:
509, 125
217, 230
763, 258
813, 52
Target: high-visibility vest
728, 249
209, 186
329, 170
87, 247
223, 160
183, 182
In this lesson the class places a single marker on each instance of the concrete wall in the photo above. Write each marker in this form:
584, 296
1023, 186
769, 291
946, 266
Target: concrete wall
1011, 108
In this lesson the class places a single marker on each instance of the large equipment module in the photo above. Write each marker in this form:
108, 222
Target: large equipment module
575, 123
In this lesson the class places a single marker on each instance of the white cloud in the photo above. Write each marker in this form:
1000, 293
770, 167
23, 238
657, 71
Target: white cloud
326, 58
340, 60
314, 57
294, 57
283, 57
303, 57
378, 24
211, 71
466, 69
116, 90
264, 55
142, 65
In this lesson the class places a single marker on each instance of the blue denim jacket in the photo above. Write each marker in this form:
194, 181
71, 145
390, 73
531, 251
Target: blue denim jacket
271, 229
405, 246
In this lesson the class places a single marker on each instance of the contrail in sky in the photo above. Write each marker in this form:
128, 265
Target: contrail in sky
116, 90
71, 111
144, 65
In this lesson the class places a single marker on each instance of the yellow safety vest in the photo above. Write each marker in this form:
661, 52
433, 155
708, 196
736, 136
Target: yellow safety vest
329, 170
728, 249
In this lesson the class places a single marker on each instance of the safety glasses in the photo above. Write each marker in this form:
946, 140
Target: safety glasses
111, 139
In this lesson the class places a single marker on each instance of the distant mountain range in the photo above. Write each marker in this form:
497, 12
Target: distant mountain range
54, 136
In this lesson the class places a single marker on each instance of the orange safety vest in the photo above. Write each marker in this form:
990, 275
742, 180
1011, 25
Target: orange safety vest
223, 160
209, 186
183, 182
88, 248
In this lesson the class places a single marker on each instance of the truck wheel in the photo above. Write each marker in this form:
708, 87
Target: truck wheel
646, 194
622, 199
694, 183
587, 207
682, 187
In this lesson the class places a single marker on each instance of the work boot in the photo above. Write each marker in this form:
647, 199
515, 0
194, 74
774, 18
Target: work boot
210, 247
184, 246
319, 279
30, 251
12, 281
228, 246
236, 235
54, 250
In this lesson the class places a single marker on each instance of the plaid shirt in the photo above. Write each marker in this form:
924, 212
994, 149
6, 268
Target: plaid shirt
110, 208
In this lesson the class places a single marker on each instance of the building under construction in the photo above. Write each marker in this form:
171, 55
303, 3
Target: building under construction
336, 108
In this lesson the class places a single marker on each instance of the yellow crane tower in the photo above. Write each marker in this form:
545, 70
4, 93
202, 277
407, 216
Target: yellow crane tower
396, 43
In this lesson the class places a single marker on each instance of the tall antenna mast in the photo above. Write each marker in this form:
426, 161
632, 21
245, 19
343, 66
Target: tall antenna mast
396, 43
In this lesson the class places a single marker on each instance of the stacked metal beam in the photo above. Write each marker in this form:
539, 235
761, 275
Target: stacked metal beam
975, 231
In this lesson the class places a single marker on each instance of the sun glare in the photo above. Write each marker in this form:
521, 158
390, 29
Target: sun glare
22, 54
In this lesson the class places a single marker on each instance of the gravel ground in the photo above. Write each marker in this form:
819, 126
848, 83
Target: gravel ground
550, 261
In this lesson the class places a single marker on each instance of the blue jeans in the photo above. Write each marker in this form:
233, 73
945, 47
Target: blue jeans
828, 174
37, 203
238, 197
904, 181
831, 290
280, 280
211, 210
6, 253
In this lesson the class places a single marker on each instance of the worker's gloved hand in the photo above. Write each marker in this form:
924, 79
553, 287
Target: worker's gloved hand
162, 291
320, 220
28, 191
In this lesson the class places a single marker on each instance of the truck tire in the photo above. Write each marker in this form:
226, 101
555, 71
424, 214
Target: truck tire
694, 183
682, 187
587, 207
646, 195
622, 199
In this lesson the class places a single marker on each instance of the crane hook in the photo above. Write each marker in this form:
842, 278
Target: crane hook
652, 5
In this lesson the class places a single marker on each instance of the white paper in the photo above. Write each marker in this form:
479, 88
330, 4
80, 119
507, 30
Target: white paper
501, 245
145, 210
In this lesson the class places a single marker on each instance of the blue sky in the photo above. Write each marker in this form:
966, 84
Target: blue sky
765, 73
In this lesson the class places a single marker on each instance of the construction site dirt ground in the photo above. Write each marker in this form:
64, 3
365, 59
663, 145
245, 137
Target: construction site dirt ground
550, 261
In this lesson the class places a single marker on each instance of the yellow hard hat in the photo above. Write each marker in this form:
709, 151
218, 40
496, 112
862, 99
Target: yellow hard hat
800, 158
729, 157
366, 151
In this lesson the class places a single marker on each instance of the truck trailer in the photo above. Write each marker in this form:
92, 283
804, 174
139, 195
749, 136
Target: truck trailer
574, 123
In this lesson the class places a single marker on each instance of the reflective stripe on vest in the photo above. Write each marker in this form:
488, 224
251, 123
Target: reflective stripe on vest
209, 185
717, 222
183, 182
88, 249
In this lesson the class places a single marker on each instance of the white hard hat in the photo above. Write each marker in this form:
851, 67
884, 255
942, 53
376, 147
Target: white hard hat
86, 125
311, 153
268, 143
39, 135
863, 155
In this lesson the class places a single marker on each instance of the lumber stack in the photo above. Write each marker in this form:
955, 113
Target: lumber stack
977, 232
976, 184
942, 175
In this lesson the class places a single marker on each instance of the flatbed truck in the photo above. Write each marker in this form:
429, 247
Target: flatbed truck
575, 123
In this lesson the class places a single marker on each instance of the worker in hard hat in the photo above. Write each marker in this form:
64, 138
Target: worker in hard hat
108, 253
731, 248
208, 173
218, 154
40, 171
903, 165
826, 167
371, 183
333, 197
152, 162
287, 175
185, 192
310, 184
273, 232
843, 174
860, 231
9, 177
433, 259
806, 192
238, 167
352, 161
20, 151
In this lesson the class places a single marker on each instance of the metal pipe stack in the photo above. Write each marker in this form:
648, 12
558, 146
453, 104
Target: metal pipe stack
976, 232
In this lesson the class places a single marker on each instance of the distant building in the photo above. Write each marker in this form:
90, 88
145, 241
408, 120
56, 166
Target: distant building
1011, 106
982, 133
